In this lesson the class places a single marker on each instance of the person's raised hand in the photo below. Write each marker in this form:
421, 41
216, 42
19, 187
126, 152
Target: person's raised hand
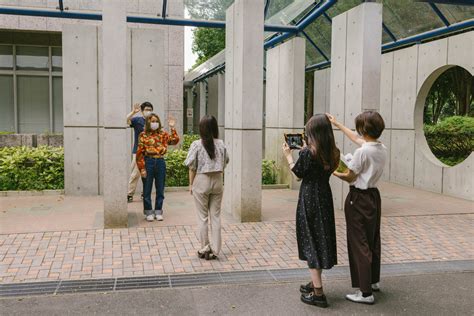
136, 108
331, 118
286, 149
171, 122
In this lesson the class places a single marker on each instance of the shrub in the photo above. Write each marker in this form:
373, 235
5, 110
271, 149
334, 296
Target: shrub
269, 172
6, 133
187, 140
26, 168
176, 171
451, 140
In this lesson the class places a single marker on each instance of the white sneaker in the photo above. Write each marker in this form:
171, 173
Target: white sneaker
150, 218
159, 217
376, 287
358, 298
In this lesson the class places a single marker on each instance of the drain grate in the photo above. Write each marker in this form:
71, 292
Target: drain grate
218, 278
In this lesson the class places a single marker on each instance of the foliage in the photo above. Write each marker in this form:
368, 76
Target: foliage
269, 172
451, 94
26, 168
176, 171
6, 133
188, 139
207, 42
452, 140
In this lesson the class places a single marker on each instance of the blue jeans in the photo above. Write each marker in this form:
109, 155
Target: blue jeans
155, 170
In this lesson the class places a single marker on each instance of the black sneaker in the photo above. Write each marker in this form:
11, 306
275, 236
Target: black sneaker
307, 288
129, 198
142, 196
313, 299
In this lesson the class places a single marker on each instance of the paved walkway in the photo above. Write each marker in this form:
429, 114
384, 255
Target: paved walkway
431, 227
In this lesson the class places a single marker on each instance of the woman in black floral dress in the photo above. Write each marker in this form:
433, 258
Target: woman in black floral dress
315, 227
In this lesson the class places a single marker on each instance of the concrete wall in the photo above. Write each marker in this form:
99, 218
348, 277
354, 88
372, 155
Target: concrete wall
406, 78
154, 66
284, 102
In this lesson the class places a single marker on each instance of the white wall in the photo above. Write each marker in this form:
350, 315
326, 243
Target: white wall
406, 77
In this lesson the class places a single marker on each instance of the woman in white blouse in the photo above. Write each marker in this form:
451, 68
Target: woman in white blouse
207, 158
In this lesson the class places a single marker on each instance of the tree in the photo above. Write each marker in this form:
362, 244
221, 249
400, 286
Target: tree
207, 42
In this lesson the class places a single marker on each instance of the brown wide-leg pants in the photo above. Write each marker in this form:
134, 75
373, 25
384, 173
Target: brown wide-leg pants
207, 192
363, 211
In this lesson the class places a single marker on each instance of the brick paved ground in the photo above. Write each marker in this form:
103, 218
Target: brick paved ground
167, 250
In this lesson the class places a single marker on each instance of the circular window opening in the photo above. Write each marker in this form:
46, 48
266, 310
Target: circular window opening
448, 116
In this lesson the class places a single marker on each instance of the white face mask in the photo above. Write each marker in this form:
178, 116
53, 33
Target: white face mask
146, 113
154, 125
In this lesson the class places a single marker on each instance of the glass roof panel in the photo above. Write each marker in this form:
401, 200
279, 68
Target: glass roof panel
312, 55
457, 13
342, 6
406, 18
320, 33
284, 11
207, 9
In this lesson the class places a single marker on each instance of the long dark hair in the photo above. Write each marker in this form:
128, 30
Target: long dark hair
321, 143
208, 130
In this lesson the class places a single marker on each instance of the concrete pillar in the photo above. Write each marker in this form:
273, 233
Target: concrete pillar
81, 121
322, 79
189, 109
212, 96
116, 166
355, 71
221, 104
284, 101
202, 100
244, 109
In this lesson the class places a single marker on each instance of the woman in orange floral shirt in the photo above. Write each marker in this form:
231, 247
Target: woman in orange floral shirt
152, 146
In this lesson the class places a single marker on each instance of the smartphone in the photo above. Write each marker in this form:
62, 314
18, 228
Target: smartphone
294, 141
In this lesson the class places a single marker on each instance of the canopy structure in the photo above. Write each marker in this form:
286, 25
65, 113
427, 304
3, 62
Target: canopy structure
405, 22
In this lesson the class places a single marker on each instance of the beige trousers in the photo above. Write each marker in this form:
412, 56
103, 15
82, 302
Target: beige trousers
134, 176
207, 193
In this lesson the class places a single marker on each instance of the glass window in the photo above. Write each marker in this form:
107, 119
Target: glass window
32, 58
33, 104
457, 13
6, 57
406, 18
57, 58
58, 104
7, 117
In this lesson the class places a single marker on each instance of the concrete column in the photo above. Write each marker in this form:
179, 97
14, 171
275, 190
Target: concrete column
189, 107
221, 104
212, 96
81, 121
202, 100
355, 71
284, 101
116, 166
244, 109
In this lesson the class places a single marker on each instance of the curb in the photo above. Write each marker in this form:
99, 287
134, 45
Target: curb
167, 189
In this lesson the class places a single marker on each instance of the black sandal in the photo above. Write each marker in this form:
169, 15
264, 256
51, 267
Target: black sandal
307, 288
210, 256
313, 299
201, 255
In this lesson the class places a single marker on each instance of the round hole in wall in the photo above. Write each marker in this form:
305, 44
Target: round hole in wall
444, 116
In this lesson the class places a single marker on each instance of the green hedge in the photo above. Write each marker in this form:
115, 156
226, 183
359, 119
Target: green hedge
42, 168
451, 140
26, 168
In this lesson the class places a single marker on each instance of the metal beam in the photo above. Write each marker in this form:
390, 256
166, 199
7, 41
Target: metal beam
136, 19
414, 39
314, 45
302, 24
439, 13
327, 17
61, 5
267, 5
387, 30
163, 10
